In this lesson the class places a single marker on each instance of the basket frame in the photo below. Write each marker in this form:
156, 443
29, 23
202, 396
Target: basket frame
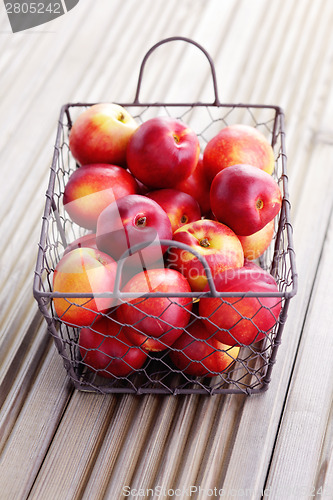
44, 297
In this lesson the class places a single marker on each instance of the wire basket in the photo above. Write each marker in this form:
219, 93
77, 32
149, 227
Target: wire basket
250, 371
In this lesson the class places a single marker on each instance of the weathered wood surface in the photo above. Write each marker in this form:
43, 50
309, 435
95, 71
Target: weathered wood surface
58, 443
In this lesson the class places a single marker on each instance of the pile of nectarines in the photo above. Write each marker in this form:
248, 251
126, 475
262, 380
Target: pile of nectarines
166, 222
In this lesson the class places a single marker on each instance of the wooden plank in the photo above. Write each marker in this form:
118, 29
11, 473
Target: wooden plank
128, 410
307, 102
34, 428
172, 427
166, 465
253, 442
306, 419
193, 459
175, 72
33, 59
64, 473
252, 44
131, 452
124, 71
324, 480
20, 373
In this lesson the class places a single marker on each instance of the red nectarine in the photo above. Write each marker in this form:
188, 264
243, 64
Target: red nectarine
83, 270
242, 319
216, 242
197, 352
181, 207
92, 188
198, 186
101, 133
245, 198
155, 323
238, 144
162, 152
254, 245
129, 221
105, 349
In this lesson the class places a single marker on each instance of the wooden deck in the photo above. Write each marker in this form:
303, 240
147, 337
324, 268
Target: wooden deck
59, 443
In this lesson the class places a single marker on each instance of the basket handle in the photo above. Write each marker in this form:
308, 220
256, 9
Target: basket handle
172, 39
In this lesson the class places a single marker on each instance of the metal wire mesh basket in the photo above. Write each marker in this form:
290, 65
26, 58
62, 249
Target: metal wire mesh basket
250, 371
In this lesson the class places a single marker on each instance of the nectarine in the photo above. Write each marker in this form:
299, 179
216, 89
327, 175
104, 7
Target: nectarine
254, 245
101, 133
198, 186
88, 271
216, 242
92, 188
238, 144
245, 198
129, 221
105, 349
197, 352
162, 152
181, 207
242, 319
154, 323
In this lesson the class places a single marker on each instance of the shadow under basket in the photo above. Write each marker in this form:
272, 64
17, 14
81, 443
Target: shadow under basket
247, 372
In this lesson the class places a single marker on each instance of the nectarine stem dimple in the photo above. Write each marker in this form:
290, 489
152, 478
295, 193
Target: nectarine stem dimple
260, 204
176, 138
184, 219
204, 242
141, 221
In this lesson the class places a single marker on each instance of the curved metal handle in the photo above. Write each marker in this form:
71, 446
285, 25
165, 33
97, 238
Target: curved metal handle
172, 39
169, 244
